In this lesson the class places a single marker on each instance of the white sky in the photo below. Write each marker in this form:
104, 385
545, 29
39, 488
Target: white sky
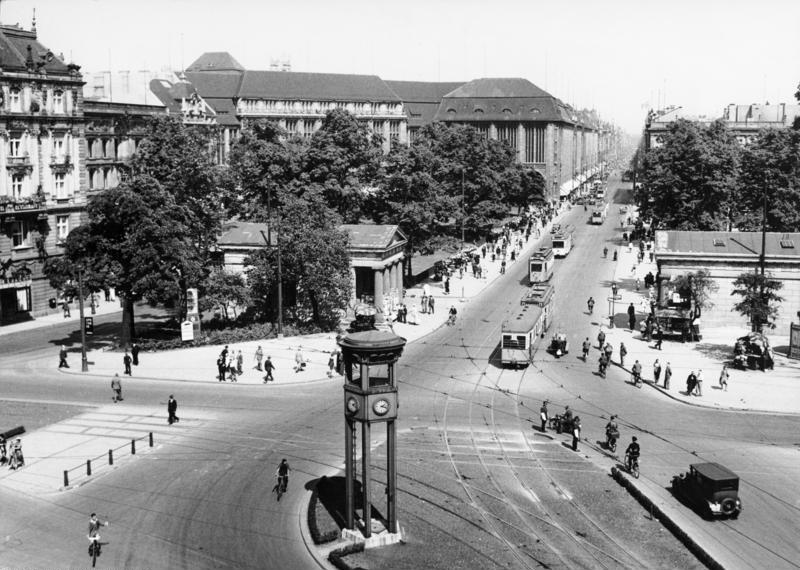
617, 56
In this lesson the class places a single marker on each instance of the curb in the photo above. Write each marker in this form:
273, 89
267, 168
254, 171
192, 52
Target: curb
153, 379
665, 519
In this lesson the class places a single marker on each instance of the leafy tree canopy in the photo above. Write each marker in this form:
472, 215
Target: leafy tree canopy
690, 179
760, 299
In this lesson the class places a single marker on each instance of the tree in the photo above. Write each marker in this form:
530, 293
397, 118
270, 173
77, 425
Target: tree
759, 299
771, 166
697, 287
223, 290
314, 258
343, 158
138, 240
690, 178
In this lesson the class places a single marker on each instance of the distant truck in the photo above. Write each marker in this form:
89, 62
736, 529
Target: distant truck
540, 265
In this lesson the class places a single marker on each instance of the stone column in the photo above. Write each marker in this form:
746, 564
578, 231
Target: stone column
493, 131
521, 143
393, 277
378, 276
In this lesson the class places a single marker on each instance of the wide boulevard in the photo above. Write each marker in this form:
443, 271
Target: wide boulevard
472, 467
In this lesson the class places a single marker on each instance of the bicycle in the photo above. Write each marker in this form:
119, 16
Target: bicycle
94, 548
281, 483
632, 464
637, 379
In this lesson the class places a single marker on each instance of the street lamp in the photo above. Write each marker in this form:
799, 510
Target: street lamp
280, 279
463, 209
84, 361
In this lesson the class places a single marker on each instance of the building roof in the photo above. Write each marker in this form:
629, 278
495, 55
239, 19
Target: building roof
216, 61
215, 84
422, 91
242, 235
295, 85
498, 100
725, 244
225, 110
15, 53
373, 236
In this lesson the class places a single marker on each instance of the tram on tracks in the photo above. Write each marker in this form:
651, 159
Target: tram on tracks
563, 240
518, 335
540, 265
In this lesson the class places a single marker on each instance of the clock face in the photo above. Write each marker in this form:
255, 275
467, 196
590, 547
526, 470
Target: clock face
381, 407
352, 405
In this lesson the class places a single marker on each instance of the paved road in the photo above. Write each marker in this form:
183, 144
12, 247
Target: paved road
202, 498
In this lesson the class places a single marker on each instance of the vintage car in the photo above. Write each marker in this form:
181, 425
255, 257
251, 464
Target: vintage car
710, 488
559, 346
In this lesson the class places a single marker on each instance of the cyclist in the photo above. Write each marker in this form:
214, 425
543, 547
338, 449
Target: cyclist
451, 320
586, 346
16, 459
590, 304
612, 432
632, 454
283, 474
94, 532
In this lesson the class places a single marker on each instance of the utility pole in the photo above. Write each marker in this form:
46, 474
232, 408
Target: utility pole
463, 209
763, 257
84, 362
280, 277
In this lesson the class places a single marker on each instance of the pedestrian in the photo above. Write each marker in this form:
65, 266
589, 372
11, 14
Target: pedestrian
412, 320
66, 309
659, 337
172, 407
503, 267
631, 316
299, 362
576, 432
268, 368
543, 416
62, 357
667, 376
224, 353
605, 252
135, 354
116, 388
699, 384
691, 382
430, 304
423, 305
259, 357
239, 362
723, 378
609, 350
656, 371
447, 285
601, 339
231, 367
221, 368
638, 282
622, 353
126, 360
331, 364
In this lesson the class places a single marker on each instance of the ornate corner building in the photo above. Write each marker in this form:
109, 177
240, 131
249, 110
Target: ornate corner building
55, 149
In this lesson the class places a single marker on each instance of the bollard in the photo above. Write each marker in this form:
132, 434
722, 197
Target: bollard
66, 478
151, 439
88, 466
133, 447
111, 457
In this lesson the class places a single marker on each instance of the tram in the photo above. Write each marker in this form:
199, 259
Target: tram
599, 213
519, 335
540, 265
541, 295
563, 241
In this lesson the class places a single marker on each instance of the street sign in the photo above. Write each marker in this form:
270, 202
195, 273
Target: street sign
615, 298
88, 325
187, 331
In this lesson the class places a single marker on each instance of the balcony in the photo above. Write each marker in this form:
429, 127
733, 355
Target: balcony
23, 204
61, 163
19, 163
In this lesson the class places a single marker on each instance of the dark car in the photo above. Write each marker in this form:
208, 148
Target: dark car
711, 488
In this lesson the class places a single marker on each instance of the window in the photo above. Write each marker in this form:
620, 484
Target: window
394, 131
19, 234
534, 144
308, 128
291, 126
15, 147
61, 185
17, 185
58, 101
90, 173
508, 134
15, 100
62, 227
58, 148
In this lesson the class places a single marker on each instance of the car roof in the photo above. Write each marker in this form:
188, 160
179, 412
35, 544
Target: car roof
714, 471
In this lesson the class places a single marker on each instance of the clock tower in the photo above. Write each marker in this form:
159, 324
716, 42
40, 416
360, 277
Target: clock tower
370, 397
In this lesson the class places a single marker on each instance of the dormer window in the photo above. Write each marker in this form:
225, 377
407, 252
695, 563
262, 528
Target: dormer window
15, 100
58, 101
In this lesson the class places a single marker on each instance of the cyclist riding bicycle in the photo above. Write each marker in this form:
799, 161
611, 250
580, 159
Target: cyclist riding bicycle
452, 318
283, 474
632, 453
590, 304
612, 432
94, 532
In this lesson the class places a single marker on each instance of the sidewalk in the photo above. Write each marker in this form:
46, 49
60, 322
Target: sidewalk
57, 318
775, 390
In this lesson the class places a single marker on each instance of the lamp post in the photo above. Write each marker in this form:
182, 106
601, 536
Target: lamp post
463, 209
268, 242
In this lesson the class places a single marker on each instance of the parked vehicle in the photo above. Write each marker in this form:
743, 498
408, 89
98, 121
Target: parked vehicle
559, 346
711, 488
